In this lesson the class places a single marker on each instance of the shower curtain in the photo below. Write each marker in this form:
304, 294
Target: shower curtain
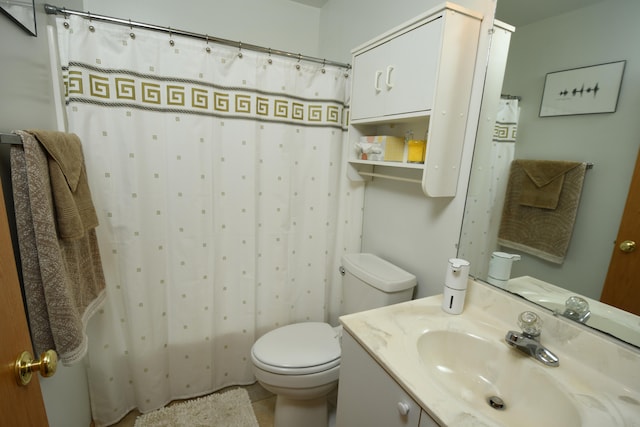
483, 209
217, 174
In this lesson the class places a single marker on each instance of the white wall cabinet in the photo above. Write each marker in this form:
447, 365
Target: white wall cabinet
368, 396
416, 77
389, 79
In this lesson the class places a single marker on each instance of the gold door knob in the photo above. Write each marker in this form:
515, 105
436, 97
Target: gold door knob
25, 366
628, 246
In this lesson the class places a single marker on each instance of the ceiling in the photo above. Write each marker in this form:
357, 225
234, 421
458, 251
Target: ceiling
514, 12
522, 12
314, 3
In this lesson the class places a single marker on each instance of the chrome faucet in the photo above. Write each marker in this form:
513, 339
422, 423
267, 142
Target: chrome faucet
576, 309
528, 341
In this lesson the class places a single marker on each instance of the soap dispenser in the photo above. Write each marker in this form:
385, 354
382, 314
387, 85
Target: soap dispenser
500, 268
455, 285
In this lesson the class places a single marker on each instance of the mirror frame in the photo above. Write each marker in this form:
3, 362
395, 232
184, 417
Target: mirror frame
26, 21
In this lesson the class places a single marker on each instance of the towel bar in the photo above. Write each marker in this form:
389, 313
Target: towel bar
10, 138
396, 178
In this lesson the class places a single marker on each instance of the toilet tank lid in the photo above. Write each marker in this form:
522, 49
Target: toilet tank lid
378, 272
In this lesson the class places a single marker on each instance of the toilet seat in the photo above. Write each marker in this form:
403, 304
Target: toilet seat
298, 349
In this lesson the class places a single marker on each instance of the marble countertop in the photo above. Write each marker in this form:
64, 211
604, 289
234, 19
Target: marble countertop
601, 375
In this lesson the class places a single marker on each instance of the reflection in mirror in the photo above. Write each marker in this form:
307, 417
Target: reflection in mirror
614, 321
594, 32
21, 12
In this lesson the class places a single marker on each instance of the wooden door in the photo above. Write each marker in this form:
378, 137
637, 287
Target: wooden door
20, 406
622, 285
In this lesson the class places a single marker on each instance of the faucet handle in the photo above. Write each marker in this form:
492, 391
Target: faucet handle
530, 323
577, 305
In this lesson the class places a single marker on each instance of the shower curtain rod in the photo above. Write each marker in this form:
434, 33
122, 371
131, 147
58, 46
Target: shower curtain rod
55, 10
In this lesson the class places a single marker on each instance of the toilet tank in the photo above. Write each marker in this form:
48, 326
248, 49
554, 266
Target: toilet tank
370, 282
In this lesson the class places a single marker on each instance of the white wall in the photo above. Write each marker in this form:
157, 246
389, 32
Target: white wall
25, 87
279, 24
346, 24
604, 32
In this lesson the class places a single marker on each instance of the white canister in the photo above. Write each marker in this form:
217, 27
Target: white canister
500, 268
455, 285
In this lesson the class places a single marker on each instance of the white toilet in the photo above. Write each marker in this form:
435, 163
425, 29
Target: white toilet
300, 363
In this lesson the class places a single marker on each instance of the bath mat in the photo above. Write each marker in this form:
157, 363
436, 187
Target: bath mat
229, 409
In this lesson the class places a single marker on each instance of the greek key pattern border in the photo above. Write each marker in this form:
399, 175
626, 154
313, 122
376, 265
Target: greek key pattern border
118, 88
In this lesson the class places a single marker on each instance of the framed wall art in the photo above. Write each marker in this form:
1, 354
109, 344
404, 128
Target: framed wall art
586, 90
22, 12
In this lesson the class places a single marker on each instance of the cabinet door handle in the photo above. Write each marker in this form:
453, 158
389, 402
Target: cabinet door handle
403, 408
376, 81
390, 68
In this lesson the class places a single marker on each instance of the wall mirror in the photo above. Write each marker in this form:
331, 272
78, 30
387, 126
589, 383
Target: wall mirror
580, 34
22, 12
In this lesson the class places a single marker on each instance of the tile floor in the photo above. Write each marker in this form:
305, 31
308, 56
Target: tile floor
263, 405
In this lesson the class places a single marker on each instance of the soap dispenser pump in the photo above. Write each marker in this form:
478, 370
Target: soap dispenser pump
455, 285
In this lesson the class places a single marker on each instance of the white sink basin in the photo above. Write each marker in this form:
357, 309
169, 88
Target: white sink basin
476, 370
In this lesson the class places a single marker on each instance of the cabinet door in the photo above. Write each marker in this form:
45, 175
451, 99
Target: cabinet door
367, 395
366, 92
426, 420
411, 73
399, 76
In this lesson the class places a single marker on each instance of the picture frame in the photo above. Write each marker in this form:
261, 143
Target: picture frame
593, 89
21, 12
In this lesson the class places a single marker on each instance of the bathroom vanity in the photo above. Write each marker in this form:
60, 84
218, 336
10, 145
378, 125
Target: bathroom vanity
411, 364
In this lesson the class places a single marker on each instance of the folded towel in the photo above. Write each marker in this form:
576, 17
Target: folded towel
63, 279
74, 209
546, 179
542, 232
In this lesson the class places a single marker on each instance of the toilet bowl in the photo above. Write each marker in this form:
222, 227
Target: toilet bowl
300, 363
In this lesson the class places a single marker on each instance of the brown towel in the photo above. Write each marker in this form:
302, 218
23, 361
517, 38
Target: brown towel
63, 279
74, 209
542, 232
546, 178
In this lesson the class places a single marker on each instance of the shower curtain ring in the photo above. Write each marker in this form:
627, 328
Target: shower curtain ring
270, 61
324, 62
239, 49
131, 34
298, 64
171, 42
207, 49
91, 27
66, 17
